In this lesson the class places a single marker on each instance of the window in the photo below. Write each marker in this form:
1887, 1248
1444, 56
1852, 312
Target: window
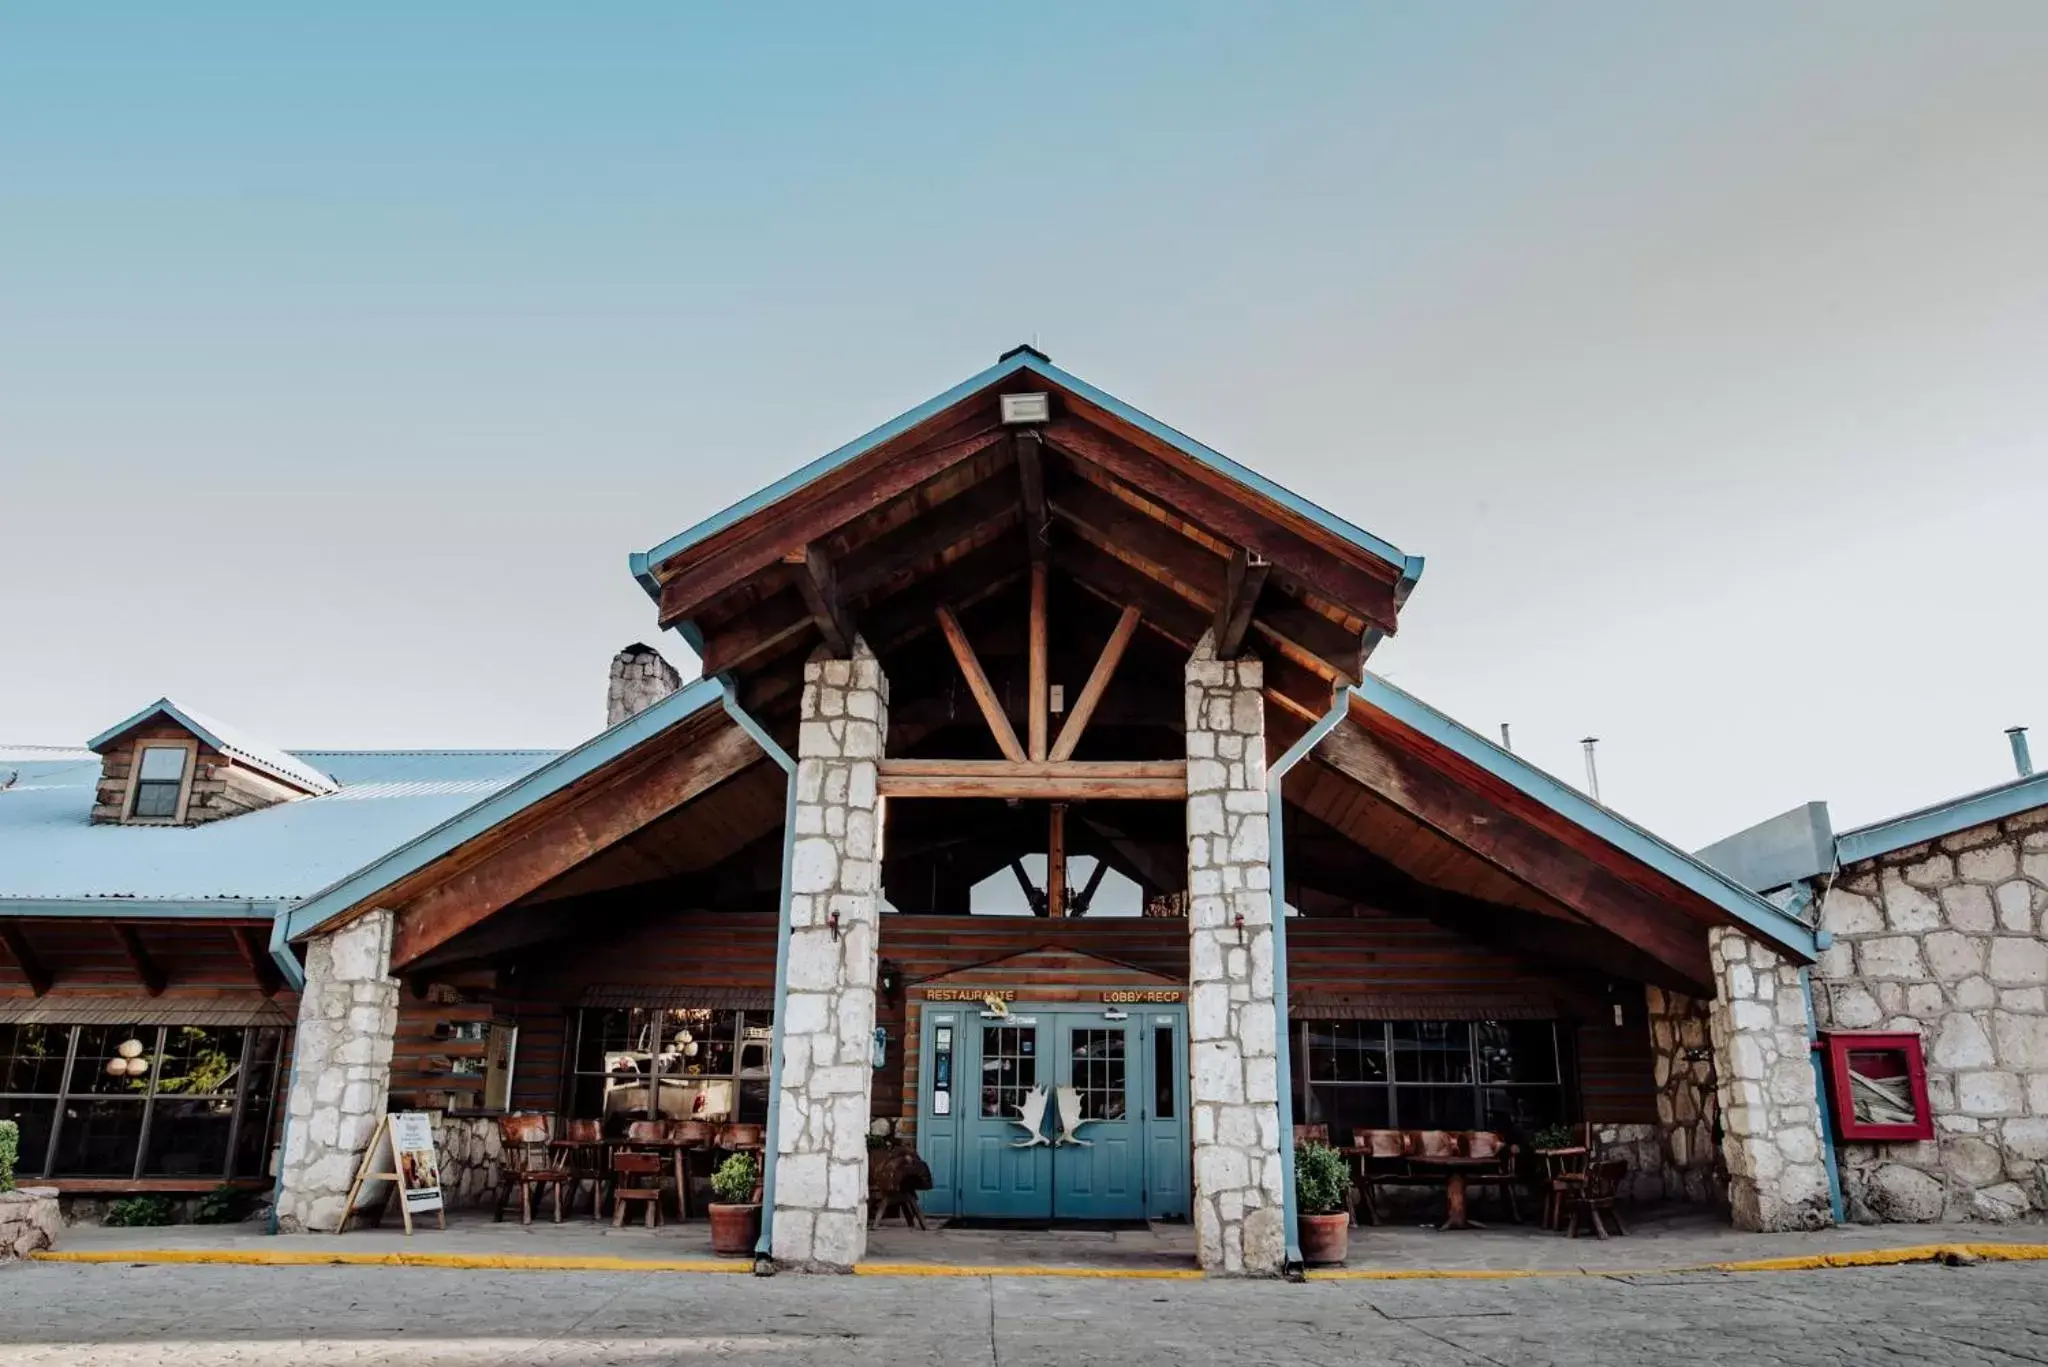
642, 1063
134, 1101
1428, 1075
159, 788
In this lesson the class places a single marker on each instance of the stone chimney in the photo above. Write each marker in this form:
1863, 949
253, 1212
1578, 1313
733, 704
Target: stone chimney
640, 678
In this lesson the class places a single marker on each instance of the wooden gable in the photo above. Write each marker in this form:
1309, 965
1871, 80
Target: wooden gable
1050, 968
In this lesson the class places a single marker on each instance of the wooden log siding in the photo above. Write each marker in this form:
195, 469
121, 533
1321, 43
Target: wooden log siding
83, 955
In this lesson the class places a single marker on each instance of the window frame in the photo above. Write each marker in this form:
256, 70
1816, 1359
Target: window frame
1476, 1085
155, 1046
184, 799
744, 1018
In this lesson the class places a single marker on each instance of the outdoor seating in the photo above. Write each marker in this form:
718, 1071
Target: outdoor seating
1382, 1160
636, 1177
1597, 1196
529, 1161
582, 1151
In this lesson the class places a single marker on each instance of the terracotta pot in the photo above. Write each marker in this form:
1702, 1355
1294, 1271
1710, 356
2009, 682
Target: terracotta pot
735, 1229
1324, 1238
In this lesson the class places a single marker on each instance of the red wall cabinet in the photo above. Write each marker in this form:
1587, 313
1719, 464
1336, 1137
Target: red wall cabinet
1877, 1084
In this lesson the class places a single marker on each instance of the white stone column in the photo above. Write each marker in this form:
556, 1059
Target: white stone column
1239, 1188
1771, 1140
341, 1069
826, 1077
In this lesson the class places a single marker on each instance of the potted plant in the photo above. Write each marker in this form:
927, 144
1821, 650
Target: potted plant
1321, 1177
736, 1214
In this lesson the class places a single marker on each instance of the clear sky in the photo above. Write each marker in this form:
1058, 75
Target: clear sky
346, 351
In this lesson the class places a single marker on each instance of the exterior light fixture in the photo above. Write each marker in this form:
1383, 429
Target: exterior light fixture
1025, 410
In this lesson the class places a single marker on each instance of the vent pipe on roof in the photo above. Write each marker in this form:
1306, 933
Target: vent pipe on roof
2021, 759
1592, 772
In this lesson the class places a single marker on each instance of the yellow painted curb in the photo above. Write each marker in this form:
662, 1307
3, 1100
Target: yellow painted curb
1156, 1274
468, 1261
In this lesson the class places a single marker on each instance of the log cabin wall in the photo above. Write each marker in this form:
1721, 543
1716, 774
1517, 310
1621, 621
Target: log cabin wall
218, 786
1370, 965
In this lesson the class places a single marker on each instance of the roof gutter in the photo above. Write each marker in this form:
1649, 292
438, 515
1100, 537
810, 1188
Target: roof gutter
764, 1247
1276, 845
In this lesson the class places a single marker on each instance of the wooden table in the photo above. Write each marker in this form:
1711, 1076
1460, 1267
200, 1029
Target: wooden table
1454, 1170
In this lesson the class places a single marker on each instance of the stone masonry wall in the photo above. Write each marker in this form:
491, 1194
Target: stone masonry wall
341, 1069
1949, 941
29, 1221
472, 1153
826, 1080
1239, 1187
1688, 1110
639, 679
1764, 1073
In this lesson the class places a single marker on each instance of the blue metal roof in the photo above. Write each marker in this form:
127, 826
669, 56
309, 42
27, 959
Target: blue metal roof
1945, 818
225, 739
1724, 892
1016, 361
395, 861
55, 861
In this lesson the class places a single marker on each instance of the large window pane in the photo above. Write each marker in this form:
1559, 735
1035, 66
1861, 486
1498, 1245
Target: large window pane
1521, 1111
1435, 1108
1517, 1051
34, 1116
114, 1060
1345, 1109
259, 1099
1347, 1051
98, 1138
32, 1059
1432, 1051
188, 1136
199, 1060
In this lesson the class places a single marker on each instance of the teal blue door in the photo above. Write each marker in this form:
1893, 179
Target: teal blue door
1055, 1114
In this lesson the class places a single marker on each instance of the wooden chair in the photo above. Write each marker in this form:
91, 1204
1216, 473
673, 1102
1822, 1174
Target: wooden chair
1487, 1144
1311, 1134
1564, 1176
1595, 1196
1435, 1144
1382, 1162
636, 1177
895, 1177
586, 1163
528, 1163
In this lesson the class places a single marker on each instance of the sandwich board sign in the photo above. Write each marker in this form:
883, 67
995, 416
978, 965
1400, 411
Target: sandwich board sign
401, 1156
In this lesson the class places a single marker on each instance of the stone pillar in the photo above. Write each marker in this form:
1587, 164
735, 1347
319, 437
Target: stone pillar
828, 1023
1771, 1144
341, 1069
1239, 1188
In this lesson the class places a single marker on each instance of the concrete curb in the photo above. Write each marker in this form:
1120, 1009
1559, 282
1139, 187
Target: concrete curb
1877, 1257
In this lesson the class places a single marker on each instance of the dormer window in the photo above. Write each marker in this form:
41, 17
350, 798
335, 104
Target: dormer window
159, 790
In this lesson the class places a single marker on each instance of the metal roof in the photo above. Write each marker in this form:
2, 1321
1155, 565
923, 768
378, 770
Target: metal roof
226, 739
1944, 818
1016, 361
55, 861
1688, 872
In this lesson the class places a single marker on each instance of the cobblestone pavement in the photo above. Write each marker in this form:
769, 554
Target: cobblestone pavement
129, 1316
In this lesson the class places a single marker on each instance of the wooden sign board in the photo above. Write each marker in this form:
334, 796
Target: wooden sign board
400, 1157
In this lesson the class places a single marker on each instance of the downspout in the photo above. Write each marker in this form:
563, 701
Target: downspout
763, 1249
1276, 842
295, 977
1797, 905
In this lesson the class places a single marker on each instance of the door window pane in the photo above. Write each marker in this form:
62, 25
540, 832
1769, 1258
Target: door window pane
1098, 1073
1432, 1051
1009, 1069
32, 1060
1162, 1072
98, 1138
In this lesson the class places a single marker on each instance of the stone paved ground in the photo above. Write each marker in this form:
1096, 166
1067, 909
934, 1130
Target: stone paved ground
128, 1316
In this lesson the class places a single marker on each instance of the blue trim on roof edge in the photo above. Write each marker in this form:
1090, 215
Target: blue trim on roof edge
281, 950
1781, 929
1946, 818
136, 908
642, 563
551, 777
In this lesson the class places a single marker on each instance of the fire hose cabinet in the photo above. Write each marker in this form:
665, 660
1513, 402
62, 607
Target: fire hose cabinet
1877, 1083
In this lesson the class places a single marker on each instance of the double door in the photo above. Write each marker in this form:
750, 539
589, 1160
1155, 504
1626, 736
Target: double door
1058, 1114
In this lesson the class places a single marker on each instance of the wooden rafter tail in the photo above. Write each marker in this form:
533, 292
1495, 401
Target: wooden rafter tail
1098, 684
978, 684
1242, 583
39, 979
146, 971
1039, 682
820, 590
255, 951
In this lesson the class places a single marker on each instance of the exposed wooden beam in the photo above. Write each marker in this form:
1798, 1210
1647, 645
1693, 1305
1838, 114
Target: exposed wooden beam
25, 959
529, 855
1070, 781
1037, 682
982, 509
1242, 581
1078, 904
856, 490
769, 629
146, 971
1032, 893
1031, 475
1232, 517
978, 684
981, 573
1470, 819
1164, 868
255, 949
1098, 683
820, 591
1056, 860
